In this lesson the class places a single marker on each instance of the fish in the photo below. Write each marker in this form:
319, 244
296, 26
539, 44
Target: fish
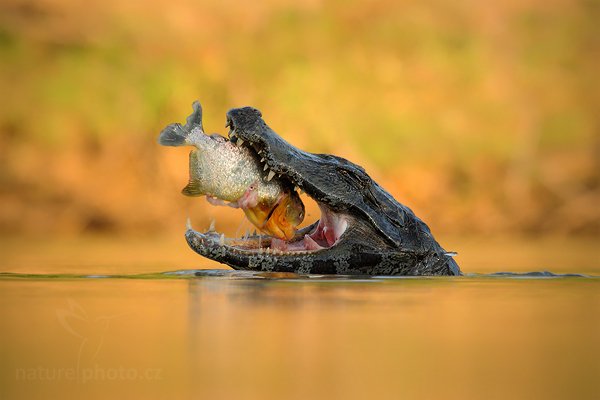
231, 174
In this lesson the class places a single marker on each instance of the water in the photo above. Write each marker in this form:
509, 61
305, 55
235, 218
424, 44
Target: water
93, 319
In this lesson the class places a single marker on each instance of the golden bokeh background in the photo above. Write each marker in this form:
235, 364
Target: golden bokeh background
482, 117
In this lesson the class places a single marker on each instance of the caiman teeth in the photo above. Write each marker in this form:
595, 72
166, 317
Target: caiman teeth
266, 167
240, 142
211, 228
222, 239
270, 176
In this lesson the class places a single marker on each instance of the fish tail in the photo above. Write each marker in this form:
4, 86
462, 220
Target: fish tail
194, 187
177, 135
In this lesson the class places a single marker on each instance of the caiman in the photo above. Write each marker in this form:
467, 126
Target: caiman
362, 229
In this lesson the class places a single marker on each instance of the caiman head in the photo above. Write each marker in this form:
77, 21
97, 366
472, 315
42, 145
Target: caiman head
362, 229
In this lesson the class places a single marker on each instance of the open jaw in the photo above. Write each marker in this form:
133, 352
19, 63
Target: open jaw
323, 234
362, 228
263, 251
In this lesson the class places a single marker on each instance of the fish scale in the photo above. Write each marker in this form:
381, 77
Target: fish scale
223, 170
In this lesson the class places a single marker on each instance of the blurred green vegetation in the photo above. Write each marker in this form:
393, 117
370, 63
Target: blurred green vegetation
483, 117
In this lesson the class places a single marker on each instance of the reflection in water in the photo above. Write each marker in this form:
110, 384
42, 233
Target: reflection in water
229, 335
422, 337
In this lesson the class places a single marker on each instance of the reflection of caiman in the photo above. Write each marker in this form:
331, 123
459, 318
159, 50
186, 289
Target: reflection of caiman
362, 229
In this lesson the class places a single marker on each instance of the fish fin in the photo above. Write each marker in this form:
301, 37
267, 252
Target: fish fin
172, 135
193, 189
194, 120
176, 134
218, 202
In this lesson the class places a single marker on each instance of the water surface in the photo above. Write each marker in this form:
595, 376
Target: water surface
127, 329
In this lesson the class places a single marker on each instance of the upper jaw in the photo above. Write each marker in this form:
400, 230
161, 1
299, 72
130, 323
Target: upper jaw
325, 178
300, 168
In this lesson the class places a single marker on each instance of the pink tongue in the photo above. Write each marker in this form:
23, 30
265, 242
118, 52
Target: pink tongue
310, 244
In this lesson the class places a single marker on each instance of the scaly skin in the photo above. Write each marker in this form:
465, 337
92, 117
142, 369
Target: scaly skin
383, 237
